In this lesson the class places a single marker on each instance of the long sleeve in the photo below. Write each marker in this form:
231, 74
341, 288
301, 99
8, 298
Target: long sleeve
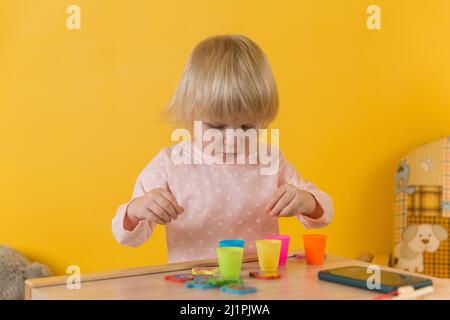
153, 176
288, 174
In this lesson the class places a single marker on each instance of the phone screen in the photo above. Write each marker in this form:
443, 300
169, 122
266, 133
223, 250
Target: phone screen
387, 278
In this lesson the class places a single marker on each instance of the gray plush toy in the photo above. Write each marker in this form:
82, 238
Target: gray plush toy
14, 270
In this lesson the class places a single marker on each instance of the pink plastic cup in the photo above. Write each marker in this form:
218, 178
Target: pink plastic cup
284, 246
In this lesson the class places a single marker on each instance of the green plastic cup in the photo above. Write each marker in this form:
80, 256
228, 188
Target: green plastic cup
230, 262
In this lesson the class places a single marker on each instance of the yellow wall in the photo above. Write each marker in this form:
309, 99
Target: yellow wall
80, 110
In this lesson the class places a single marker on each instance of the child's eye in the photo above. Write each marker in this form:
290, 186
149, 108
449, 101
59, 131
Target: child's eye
215, 126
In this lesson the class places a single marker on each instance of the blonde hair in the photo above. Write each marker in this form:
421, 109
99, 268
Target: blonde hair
227, 77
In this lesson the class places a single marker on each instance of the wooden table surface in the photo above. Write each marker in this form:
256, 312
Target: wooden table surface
299, 281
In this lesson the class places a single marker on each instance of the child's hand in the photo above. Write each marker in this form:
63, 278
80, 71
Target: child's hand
158, 206
291, 201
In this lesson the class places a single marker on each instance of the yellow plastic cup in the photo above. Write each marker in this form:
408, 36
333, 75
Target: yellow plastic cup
230, 262
268, 254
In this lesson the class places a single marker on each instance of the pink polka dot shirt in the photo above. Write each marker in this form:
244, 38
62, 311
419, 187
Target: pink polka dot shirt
221, 201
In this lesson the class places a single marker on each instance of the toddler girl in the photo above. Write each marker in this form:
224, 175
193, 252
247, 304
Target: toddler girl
227, 85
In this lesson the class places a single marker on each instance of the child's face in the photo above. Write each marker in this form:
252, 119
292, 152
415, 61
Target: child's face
230, 146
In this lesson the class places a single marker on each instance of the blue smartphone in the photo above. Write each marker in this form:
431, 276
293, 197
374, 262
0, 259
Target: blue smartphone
356, 276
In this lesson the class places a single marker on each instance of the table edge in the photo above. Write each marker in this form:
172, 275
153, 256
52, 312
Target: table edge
31, 284
121, 273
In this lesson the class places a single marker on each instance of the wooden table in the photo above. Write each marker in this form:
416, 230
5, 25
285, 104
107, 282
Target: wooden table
299, 281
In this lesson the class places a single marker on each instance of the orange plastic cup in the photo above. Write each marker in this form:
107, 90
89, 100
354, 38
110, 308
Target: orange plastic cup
314, 245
